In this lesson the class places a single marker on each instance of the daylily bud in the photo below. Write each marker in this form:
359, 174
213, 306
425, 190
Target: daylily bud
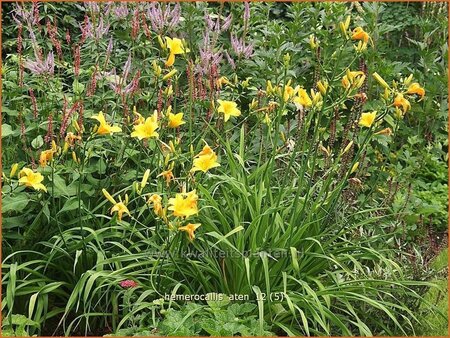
168, 91
325, 150
408, 80
322, 86
347, 22
380, 80
245, 83
161, 42
286, 59
361, 46
343, 30
108, 196
66, 147
13, 169
145, 178
354, 168
74, 157
172, 147
169, 75
253, 105
347, 148
269, 88
313, 42
386, 94
169, 110
398, 113
344, 26
360, 81
385, 131
156, 68
76, 126
349, 74
316, 98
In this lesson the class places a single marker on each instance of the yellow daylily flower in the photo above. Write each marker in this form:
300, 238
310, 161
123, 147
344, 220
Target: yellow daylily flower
400, 101
105, 128
175, 120
184, 204
190, 229
119, 207
367, 119
205, 151
147, 129
205, 160
175, 46
71, 138
170, 60
45, 156
168, 176
359, 34
31, 179
302, 98
155, 199
228, 108
223, 80
415, 88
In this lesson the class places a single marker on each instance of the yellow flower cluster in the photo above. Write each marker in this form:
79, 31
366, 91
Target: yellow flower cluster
183, 205
400, 102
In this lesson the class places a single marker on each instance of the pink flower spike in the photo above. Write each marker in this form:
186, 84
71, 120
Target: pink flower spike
128, 283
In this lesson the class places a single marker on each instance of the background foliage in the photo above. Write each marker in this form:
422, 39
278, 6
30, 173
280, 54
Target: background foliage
342, 247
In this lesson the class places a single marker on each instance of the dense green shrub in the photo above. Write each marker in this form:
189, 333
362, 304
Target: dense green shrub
296, 177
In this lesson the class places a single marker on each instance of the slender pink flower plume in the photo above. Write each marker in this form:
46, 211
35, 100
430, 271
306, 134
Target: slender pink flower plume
163, 17
40, 67
52, 32
121, 10
33, 103
49, 136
